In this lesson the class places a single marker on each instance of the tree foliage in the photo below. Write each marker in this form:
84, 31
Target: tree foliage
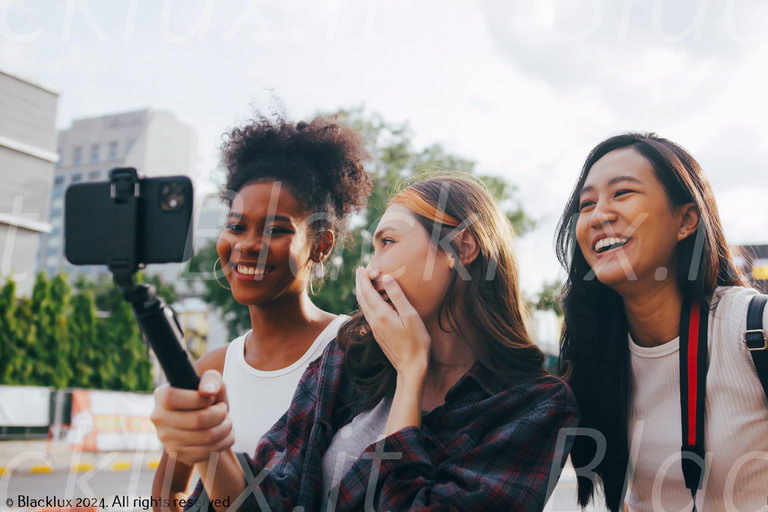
549, 297
62, 337
394, 160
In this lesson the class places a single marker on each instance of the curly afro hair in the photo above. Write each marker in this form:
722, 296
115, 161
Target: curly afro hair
320, 162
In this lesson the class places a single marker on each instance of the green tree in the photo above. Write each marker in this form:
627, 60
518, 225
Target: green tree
58, 338
22, 366
55, 342
201, 268
120, 355
35, 350
394, 160
83, 337
11, 351
549, 296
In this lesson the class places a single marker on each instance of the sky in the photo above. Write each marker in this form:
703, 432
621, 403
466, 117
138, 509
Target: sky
525, 89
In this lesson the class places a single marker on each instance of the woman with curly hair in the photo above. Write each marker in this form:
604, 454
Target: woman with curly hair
434, 397
290, 189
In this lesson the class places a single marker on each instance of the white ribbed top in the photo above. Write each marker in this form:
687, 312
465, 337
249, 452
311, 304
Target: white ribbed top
257, 399
736, 428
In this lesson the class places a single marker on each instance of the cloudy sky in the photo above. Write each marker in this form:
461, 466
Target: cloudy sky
523, 88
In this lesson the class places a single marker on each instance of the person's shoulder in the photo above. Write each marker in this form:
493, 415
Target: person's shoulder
730, 304
546, 391
556, 390
332, 356
213, 360
542, 403
329, 334
733, 294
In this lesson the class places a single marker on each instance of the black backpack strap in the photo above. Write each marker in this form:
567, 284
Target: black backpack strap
694, 347
756, 340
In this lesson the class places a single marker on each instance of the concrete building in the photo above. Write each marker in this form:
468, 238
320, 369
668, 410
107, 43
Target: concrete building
27, 158
154, 142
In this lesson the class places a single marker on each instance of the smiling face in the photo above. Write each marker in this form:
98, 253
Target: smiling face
264, 253
627, 229
402, 249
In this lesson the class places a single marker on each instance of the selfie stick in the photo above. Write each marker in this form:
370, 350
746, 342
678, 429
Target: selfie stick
156, 319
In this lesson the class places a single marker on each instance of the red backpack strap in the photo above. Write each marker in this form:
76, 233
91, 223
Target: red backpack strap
756, 340
694, 325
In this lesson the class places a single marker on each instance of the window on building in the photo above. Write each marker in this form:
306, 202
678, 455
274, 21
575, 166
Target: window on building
94, 153
58, 202
58, 162
113, 151
94, 176
55, 212
55, 231
129, 145
52, 262
58, 191
58, 180
77, 177
77, 156
56, 222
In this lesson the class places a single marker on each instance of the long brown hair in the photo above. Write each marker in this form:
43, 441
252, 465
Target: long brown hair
594, 354
490, 300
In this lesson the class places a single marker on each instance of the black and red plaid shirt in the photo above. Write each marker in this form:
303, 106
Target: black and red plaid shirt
488, 447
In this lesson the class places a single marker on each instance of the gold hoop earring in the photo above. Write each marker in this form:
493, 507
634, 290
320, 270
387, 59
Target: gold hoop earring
215, 275
311, 272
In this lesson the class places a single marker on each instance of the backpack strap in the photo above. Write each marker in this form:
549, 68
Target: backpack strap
756, 340
694, 347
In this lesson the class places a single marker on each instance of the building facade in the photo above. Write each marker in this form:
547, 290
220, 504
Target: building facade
27, 159
152, 141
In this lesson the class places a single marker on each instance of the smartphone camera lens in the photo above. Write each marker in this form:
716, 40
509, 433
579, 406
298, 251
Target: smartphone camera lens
172, 196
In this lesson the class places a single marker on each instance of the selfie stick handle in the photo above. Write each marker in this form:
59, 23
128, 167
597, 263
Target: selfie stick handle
162, 331
156, 320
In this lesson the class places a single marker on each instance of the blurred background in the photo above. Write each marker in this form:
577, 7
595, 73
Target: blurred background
514, 92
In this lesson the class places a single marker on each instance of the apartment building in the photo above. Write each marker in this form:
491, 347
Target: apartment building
27, 159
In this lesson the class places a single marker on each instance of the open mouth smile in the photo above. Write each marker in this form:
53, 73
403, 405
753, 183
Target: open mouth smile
609, 244
251, 272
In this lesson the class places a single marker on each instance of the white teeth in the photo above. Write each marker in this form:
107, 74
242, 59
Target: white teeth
250, 271
607, 242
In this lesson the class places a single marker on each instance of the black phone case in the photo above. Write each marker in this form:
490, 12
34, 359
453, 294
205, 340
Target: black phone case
163, 236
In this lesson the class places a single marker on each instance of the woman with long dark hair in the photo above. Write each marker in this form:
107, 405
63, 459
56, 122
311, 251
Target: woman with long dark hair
652, 300
434, 397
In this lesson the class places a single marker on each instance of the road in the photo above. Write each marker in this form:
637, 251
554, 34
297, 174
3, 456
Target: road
115, 486
105, 484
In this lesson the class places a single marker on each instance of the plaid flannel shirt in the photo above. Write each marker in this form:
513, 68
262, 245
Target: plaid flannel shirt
487, 448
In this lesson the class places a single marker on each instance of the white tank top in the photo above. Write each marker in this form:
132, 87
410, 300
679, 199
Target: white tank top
257, 399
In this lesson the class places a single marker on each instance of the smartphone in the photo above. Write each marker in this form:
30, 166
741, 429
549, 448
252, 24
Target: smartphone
163, 222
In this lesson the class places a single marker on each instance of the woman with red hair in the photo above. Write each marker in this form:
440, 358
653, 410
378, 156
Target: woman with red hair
433, 396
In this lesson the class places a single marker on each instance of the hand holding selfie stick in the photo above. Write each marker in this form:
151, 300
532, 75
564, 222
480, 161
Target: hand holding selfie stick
156, 320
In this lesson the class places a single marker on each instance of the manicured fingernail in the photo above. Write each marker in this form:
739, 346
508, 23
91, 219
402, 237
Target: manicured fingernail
209, 387
387, 277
